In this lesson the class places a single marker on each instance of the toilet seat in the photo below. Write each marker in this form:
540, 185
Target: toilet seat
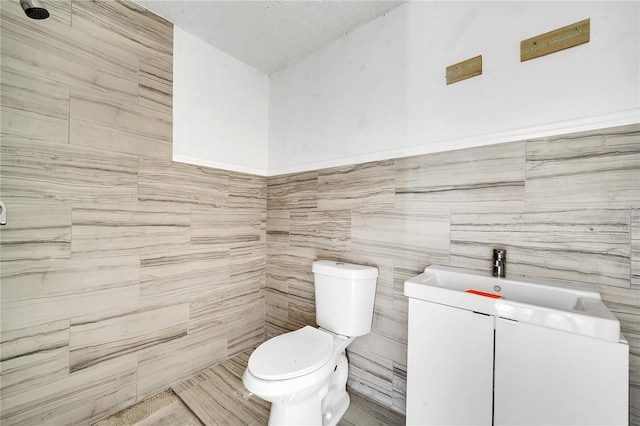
291, 354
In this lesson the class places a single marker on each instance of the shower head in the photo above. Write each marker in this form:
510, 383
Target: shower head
34, 9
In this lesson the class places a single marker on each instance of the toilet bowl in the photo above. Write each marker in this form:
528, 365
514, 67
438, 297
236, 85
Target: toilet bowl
304, 373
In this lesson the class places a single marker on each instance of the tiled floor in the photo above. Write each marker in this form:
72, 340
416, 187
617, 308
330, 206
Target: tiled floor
217, 397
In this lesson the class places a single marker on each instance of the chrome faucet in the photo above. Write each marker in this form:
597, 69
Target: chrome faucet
499, 263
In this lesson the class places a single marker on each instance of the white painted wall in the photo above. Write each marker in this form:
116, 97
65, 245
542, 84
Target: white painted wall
380, 92
220, 108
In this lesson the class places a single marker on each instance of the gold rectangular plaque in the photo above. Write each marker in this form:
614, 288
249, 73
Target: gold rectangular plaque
556, 40
465, 69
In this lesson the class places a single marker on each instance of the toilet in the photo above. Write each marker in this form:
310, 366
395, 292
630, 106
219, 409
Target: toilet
304, 373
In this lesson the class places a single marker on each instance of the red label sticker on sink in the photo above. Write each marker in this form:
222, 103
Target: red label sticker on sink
482, 293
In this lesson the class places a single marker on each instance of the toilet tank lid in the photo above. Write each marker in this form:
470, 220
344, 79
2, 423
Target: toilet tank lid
344, 270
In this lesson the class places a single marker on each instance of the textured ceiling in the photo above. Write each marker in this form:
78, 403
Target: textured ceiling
268, 35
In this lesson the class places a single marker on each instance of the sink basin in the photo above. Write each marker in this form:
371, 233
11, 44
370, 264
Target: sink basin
553, 304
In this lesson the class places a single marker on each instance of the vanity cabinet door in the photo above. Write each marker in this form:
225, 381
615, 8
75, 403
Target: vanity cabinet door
449, 366
550, 377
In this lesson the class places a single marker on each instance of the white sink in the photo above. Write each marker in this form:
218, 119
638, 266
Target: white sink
563, 306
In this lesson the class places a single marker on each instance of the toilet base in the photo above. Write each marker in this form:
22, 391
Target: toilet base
333, 416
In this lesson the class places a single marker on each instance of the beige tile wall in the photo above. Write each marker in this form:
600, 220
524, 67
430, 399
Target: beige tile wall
122, 272
565, 208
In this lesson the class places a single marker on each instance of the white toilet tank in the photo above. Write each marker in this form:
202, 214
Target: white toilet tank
344, 297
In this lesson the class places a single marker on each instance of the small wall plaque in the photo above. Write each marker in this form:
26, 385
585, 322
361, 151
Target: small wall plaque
465, 69
556, 40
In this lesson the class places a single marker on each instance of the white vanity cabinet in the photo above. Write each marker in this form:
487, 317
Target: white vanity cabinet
449, 366
542, 354
550, 377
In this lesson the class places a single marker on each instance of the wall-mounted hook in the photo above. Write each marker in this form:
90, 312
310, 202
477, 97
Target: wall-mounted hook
3, 214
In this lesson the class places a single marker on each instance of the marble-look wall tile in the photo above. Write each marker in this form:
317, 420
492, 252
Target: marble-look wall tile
117, 230
292, 273
399, 387
35, 94
155, 83
162, 365
38, 293
247, 264
23, 126
111, 123
233, 311
60, 172
490, 174
402, 234
226, 227
321, 229
590, 246
361, 185
125, 23
167, 181
635, 248
55, 51
168, 276
586, 170
371, 375
293, 191
34, 356
247, 191
89, 394
276, 305
37, 231
96, 338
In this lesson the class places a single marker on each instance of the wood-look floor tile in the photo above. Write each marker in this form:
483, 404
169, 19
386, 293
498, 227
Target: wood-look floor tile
217, 395
34, 356
126, 229
62, 172
96, 338
589, 246
491, 175
167, 181
163, 409
161, 365
361, 185
364, 411
38, 293
596, 169
77, 399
